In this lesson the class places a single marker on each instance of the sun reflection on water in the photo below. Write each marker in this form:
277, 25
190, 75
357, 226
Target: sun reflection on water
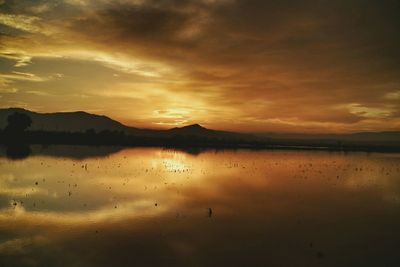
163, 197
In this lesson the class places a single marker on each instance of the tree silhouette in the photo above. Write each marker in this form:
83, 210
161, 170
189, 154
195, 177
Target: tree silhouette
18, 122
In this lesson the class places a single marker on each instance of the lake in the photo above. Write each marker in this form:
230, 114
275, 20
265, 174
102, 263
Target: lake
107, 206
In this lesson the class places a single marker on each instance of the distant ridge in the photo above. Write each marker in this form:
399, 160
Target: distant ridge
193, 128
195, 134
77, 121
387, 136
80, 121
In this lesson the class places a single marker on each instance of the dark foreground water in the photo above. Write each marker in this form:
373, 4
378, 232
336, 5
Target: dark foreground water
77, 206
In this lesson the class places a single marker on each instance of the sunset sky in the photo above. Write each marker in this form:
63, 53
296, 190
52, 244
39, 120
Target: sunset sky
243, 65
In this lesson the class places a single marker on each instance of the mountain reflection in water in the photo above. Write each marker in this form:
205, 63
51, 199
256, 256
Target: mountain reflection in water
74, 206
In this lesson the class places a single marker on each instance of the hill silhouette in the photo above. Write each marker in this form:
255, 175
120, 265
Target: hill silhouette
80, 121
82, 128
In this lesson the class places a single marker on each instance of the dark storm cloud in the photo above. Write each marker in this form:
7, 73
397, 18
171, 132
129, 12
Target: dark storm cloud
350, 39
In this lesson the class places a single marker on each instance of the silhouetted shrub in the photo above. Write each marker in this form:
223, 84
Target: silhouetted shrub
18, 122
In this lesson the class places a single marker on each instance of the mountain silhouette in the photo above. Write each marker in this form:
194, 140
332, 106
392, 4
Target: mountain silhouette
192, 127
84, 128
78, 121
81, 121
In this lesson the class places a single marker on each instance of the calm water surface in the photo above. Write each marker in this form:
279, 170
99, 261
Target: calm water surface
78, 206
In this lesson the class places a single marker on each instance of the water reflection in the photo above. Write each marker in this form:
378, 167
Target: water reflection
22, 151
151, 207
17, 152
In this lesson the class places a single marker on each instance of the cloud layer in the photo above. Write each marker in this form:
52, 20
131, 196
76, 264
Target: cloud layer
304, 66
